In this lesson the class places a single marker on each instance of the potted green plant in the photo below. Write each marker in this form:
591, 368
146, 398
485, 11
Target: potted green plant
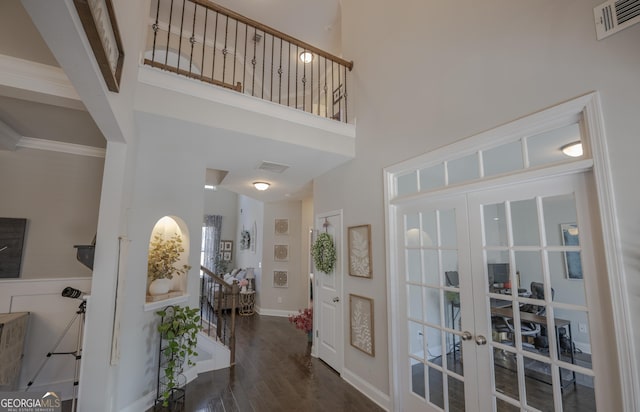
179, 326
161, 268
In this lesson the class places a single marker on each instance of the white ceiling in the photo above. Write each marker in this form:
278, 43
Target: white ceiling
312, 21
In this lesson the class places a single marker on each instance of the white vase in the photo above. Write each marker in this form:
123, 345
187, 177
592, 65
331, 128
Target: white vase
160, 287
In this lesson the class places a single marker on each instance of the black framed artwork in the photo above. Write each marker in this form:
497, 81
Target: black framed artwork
12, 233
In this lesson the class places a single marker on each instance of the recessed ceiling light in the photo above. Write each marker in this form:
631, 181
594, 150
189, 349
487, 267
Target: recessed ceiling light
306, 57
261, 185
573, 149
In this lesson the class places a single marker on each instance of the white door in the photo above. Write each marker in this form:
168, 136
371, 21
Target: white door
436, 350
328, 300
461, 261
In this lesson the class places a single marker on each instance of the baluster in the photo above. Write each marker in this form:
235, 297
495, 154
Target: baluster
289, 77
339, 95
155, 27
280, 76
264, 48
215, 40
253, 62
333, 89
204, 39
296, 57
235, 50
244, 64
345, 94
180, 38
319, 93
166, 52
192, 39
326, 102
273, 40
225, 51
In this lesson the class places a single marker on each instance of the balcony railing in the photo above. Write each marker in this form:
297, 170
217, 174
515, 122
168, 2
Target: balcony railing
202, 40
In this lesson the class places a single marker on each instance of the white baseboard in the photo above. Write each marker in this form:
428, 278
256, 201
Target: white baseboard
381, 399
275, 312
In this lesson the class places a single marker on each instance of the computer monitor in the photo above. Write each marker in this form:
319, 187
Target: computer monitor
498, 273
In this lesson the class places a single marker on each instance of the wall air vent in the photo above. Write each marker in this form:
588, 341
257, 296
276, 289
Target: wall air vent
272, 167
613, 16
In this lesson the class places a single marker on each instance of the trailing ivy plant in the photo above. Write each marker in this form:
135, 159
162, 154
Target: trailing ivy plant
178, 327
324, 253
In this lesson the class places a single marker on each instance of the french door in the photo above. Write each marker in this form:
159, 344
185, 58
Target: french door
496, 300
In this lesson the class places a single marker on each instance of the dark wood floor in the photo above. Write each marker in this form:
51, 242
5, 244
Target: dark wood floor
274, 371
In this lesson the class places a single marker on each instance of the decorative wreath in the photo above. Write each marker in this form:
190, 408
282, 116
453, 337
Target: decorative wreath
324, 253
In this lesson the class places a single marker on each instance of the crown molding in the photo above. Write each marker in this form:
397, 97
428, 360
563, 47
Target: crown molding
54, 146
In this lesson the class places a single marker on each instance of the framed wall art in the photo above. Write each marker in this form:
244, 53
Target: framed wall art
11, 245
281, 226
361, 324
573, 265
280, 279
99, 22
281, 253
359, 240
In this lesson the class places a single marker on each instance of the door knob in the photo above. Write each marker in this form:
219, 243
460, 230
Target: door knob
336, 299
481, 340
466, 335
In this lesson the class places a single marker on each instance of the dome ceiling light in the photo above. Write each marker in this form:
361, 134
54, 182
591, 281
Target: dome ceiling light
261, 186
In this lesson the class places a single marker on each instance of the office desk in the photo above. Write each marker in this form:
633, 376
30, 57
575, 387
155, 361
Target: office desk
507, 312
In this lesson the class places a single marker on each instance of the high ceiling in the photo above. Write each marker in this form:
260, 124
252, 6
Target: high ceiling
312, 21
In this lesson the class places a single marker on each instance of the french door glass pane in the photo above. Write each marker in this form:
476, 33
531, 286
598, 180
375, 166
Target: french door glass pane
566, 289
432, 273
529, 269
412, 230
416, 340
524, 217
505, 373
558, 211
495, 225
407, 184
456, 395
433, 306
429, 229
414, 266
448, 231
415, 307
502, 406
436, 388
418, 384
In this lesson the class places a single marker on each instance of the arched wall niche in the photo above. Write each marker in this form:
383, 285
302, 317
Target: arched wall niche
166, 229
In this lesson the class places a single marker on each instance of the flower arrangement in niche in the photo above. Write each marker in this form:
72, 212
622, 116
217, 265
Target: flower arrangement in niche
303, 320
163, 255
324, 253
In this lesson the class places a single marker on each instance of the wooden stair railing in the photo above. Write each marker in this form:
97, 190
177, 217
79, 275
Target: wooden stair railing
205, 41
217, 297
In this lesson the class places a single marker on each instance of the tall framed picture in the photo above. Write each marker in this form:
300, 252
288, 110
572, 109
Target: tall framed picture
573, 264
12, 232
359, 239
361, 324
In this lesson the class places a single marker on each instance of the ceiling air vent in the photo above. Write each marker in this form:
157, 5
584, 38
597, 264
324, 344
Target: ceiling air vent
613, 16
272, 167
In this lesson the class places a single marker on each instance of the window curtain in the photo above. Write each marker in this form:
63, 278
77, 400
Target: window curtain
212, 230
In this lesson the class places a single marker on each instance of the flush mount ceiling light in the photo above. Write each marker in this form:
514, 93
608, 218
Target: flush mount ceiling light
573, 149
306, 57
261, 185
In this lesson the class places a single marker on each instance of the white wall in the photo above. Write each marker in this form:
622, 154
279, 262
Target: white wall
59, 195
430, 73
295, 296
